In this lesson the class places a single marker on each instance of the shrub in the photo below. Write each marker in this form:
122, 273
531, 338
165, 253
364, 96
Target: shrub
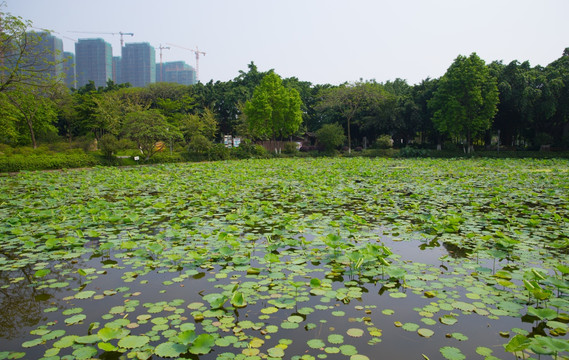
199, 144
409, 152
47, 162
330, 136
290, 148
384, 142
247, 149
165, 157
219, 152
109, 145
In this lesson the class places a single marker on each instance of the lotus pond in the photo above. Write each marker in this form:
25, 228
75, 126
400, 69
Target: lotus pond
287, 259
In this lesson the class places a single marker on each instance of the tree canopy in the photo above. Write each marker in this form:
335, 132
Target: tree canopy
525, 106
274, 110
466, 100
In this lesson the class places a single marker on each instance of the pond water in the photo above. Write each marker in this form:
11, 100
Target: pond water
280, 265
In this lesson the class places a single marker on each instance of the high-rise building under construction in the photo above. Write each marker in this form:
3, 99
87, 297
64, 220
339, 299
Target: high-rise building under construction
94, 60
176, 72
69, 68
138, 64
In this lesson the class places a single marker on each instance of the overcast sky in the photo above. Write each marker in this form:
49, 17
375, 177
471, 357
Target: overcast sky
321, 41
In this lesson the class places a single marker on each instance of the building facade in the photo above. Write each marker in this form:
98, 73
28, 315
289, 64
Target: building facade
43, 53
176, 72
138, 64
117, 70
69, 70
94, 60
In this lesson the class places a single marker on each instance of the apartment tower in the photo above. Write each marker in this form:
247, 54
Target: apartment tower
94, 59
138, 64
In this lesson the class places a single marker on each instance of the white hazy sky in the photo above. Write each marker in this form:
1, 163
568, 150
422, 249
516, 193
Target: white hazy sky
321, 41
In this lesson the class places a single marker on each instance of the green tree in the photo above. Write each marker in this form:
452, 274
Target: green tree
199, 131
350, 100
466, 100
35, 111
273, 111
28, 82
23, 61
111, 107
330, 136
146, 128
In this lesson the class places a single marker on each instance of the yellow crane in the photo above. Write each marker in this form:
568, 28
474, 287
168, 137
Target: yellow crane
197, 52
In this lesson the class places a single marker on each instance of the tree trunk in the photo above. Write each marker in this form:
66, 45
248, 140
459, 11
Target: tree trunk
349, 138
32, 134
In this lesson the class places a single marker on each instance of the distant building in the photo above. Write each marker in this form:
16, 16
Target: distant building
176, 72
94, 59
46, 54
117, 70
138, 64
69, 70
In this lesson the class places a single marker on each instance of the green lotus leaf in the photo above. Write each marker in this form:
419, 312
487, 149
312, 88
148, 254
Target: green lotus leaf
354, 332
75, 319
65, 342
202, 344
89, 339
448, 320
315, 343
275, 352
84, 294
315, 283
215, 300
452, 353
335, 339
542, 314
186, 337
412, 327
170, 349
131, 341
85, 352
31, 343
427, 333
107, 333
238, 300
42, 272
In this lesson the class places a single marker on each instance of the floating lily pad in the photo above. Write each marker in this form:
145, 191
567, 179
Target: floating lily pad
452, 353
131, 341
316, 343
354, 332
335, 339
75, 319
427, 333
85, 294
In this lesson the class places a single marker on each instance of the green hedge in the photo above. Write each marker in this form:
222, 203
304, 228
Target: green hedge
19, 162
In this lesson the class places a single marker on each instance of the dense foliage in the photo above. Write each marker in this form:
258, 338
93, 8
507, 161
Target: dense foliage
514, 105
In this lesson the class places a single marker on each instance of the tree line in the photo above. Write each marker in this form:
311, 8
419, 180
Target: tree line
473, 103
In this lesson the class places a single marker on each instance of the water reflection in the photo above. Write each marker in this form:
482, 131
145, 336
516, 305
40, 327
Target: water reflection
21, 303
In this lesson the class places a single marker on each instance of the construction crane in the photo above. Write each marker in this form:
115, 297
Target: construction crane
162, 48
197, 52
54, 32
109, 33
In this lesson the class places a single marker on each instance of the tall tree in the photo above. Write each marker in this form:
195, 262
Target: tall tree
23, 61
466, 100
274, 111
35, 109
349, 100
146, 128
